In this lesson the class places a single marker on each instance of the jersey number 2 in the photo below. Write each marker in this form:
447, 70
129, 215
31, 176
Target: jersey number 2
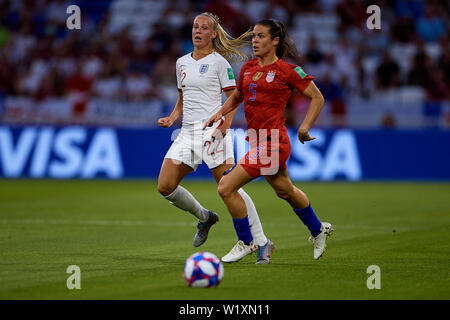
252, 90
183, 76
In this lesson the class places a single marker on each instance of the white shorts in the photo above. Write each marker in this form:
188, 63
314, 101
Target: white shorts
194, 145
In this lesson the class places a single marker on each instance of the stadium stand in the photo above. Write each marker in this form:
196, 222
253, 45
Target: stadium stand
119, 68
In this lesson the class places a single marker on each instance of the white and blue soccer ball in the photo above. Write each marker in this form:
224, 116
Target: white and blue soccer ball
203, 270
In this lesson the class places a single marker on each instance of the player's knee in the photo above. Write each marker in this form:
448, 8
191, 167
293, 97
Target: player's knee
223, 190
284, 193
165, 189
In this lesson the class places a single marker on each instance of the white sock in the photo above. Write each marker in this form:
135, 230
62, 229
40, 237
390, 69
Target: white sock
184, 200
253, 219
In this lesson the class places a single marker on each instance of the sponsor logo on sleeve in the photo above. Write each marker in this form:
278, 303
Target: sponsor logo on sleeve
300, 72
230, 74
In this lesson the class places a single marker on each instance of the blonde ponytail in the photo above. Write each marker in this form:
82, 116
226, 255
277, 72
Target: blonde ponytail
226, 45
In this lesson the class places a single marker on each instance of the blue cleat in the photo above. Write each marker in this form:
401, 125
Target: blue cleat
264, 252
203, 229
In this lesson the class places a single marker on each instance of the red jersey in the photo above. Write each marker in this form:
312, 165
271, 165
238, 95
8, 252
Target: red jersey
266, 91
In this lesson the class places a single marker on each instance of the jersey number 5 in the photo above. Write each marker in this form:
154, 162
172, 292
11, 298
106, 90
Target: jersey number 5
253, 90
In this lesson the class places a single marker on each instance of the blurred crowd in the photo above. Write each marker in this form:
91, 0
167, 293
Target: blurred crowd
126, 49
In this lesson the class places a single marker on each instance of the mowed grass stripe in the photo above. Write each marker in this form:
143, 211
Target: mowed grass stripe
130, 243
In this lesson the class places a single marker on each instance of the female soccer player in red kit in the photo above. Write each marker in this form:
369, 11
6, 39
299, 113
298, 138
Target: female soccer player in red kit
265, 85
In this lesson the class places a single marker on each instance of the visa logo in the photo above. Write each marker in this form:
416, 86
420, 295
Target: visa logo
60, 153
326, 158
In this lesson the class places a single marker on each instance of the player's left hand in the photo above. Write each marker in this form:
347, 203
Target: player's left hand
303, 136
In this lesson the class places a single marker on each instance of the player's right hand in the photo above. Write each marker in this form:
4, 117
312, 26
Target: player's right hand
303, 136
211, 120
165, 122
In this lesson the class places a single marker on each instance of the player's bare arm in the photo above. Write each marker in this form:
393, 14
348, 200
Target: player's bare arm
230, 116
176, 113
316, 105
230, 105
223, 129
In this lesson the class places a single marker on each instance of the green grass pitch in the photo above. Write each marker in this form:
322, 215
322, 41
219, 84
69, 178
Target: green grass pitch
130, 243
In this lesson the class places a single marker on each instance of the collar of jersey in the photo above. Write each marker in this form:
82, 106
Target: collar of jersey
190, 56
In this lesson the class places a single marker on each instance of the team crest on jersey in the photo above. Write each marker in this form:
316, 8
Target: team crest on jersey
204, 68
270, 76
257, 75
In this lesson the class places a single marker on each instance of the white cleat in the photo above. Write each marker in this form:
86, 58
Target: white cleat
320, 241
239, 251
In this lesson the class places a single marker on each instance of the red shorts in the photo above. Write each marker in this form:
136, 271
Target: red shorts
266, 159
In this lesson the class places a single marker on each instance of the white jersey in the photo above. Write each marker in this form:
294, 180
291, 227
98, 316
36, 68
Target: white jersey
202, 82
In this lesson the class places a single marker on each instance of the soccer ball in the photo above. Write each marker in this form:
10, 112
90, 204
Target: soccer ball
203, 270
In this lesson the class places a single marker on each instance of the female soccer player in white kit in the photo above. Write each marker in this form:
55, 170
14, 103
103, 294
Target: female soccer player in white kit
201, 77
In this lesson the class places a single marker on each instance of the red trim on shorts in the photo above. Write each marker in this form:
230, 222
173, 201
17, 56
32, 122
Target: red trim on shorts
229, 88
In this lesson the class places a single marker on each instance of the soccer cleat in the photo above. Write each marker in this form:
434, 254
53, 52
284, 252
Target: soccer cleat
320, 241
203, 229
239, 251
264, 252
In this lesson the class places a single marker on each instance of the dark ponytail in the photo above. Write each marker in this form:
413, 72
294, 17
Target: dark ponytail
286, 46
